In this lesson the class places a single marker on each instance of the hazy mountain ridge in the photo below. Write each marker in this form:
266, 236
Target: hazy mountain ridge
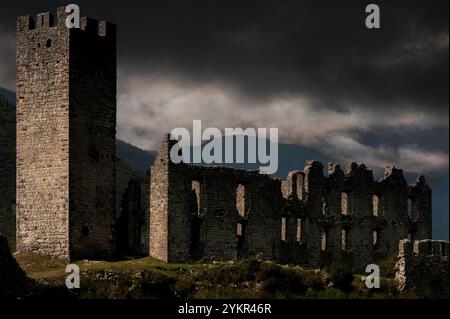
138, 159
10, 95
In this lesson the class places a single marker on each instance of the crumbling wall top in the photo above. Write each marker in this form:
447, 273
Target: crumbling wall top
424, 248
46, 20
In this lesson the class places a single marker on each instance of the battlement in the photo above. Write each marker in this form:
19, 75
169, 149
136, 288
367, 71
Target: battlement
356, 171
424, 248
46, 20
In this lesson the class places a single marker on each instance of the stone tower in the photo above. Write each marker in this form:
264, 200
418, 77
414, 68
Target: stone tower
66, 124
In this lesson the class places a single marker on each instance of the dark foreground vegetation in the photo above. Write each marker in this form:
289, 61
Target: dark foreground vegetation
149, 278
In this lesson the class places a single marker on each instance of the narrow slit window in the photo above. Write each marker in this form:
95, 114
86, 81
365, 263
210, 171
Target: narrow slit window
324, 240
324, 206
376, 205
299, 230
376, 239
196, 198
283, 229
344, 239
240, 230
344, 203
241, 200
410, 207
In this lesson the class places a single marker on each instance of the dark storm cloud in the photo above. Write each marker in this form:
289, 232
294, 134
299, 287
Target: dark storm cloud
316, 48
310, 68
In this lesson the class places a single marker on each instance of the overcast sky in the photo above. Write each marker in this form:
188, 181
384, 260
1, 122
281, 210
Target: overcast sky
310, 68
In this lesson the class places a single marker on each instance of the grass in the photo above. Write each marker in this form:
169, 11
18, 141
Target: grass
148, 278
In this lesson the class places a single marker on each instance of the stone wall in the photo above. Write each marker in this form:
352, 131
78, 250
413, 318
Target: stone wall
132, 224
219, 213
422, 268
66, 117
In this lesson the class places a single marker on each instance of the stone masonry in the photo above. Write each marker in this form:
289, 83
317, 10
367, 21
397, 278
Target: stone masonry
132, 224
220, 213
422, 268
66, 122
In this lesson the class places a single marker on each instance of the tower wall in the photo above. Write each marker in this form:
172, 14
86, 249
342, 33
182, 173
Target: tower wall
66, 117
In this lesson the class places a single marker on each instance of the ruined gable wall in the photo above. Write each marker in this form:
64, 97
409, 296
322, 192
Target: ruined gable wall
350, 217
422, 268
159, 204
421, 202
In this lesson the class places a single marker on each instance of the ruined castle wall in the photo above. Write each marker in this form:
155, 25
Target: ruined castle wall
213, 212
65, 137
218, 216
421, 204
221, 213
238, 204
294, 221
422, 268
393, 192
337, 214
348, 217
359, 220
314, 231
131, 225
159, 204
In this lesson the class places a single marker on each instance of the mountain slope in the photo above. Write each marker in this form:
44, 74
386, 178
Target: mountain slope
136, 158
11, 96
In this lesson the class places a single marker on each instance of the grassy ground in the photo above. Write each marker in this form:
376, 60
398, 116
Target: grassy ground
149, 278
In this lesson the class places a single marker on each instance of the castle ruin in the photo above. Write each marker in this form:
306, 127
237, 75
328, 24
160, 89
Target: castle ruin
220, 213
66, 119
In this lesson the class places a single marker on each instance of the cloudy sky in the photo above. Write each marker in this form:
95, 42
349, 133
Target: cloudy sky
310, 68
